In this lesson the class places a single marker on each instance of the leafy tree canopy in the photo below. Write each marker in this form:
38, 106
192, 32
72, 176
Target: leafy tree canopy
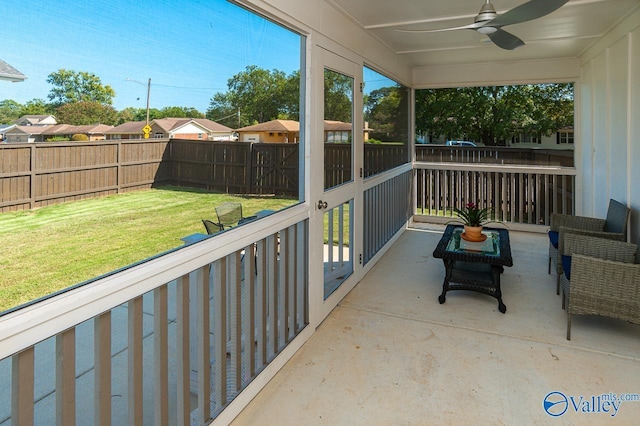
82, 113
78, 86
9, 111
180, 112
387, 112
260, 95
494, 114
338, 96
36, 107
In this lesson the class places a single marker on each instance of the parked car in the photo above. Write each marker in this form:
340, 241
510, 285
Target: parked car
461, 143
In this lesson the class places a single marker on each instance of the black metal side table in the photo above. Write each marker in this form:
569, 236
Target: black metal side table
474, 266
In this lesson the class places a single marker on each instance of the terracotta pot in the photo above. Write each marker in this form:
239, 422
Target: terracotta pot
473, 233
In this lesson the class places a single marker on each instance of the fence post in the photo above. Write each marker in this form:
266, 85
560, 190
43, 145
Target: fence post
32, 186
119, 165
249, 165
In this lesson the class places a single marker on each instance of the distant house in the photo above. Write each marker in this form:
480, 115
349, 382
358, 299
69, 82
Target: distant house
9, 73
5, 128
129, 130
25, 134
274, 131
36, 120
190, 128
95, 132
339, 131
561, 139
288, 131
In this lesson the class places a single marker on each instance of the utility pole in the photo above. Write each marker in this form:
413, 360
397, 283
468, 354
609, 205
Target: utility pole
146, 128
148, 95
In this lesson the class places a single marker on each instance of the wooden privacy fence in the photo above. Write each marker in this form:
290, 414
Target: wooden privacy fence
494, 155
38, 174
236, 167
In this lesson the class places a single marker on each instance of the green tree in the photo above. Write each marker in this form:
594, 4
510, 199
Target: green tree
386, 110
73, 86
180, 112
494, 114
9, 111
261, 95
291, 98
36, 107
338, 95
222, 110
126, 115
82, 113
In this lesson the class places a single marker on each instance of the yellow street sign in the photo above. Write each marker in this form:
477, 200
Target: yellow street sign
146, 129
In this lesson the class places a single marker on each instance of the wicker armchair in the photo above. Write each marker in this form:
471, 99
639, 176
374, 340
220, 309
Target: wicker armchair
601, 278
613, 227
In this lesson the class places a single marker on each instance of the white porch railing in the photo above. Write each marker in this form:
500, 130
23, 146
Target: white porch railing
171, 340
515, 194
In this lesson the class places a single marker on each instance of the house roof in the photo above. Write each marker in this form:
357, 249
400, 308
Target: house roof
171, 124
7, 72
128, 127
34, 118
332, 125
67, 129
212, 125
29, 130
167, 124
272, 126
293, 126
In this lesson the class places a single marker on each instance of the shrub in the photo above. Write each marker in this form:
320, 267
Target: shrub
79, 137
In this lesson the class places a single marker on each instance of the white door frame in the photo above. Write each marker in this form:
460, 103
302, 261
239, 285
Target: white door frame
319, 308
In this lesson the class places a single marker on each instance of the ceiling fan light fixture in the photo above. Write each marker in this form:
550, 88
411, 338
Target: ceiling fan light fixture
487, 30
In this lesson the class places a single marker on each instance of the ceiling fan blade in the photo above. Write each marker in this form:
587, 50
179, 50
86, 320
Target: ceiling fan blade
473, 26
505, 40
528, 11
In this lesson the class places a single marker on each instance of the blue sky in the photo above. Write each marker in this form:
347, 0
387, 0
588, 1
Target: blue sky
189, 48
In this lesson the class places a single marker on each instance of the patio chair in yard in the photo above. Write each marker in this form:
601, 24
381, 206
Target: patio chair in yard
613, 227
600, 277
211, 226
230, 214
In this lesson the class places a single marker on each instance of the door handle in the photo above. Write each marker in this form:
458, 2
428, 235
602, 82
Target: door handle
322, 205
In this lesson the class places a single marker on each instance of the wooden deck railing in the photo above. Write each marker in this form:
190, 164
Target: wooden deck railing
515, 194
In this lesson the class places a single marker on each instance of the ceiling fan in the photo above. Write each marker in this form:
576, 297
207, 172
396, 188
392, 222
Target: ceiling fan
489, 23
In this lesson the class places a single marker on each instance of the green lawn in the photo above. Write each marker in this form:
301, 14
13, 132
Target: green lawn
54, 247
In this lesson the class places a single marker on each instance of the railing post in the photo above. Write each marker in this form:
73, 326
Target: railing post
22, 399
135, 361
66, 378
102, 369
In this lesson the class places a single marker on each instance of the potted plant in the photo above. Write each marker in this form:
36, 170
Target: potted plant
473, 218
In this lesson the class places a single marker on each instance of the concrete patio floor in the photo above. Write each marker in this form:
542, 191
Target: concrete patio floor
389, 354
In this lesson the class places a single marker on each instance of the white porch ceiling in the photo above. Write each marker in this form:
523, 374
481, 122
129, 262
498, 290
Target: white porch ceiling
565, 33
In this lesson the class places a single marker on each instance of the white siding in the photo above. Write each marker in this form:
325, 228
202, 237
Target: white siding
609, 111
